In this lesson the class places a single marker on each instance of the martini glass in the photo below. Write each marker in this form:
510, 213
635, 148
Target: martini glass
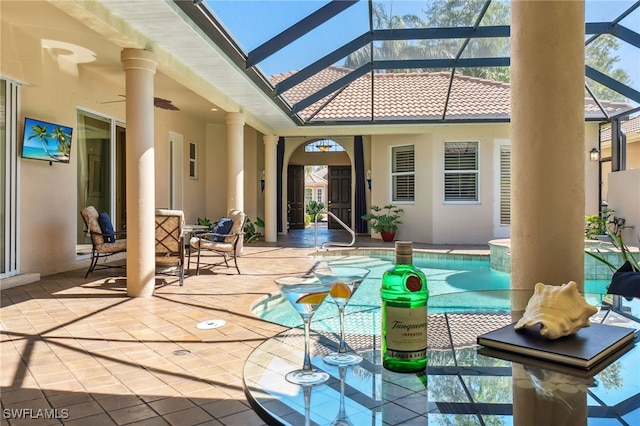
344, 282
305, 293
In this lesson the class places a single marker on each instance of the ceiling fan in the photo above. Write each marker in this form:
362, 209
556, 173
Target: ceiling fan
157, 102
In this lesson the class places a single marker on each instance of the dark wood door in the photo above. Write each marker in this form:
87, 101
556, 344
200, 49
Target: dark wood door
295, 197
339, 202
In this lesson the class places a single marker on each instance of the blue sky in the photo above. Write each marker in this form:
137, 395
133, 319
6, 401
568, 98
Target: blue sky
254, 22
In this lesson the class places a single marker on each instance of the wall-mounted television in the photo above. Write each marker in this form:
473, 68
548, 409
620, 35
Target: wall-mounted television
46, 141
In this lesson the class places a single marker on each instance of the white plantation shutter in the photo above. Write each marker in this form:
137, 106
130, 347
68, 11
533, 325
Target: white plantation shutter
505, 185
193, 161
461, 172
403, 173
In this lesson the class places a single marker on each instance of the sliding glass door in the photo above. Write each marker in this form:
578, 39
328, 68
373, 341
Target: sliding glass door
9, 246
101, 170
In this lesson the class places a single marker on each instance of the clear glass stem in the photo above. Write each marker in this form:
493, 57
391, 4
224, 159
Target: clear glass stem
306, 365
341, 418
307, 406
342, 411
342, 347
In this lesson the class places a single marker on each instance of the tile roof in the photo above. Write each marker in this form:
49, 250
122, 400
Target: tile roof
315, 177
415, 96
629, 126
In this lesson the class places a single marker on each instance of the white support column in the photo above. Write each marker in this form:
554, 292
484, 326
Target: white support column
547, 125
270, 190
235, 160
140, 67
235, 163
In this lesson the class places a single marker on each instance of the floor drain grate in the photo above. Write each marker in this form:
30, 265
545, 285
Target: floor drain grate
211, 324
181, 352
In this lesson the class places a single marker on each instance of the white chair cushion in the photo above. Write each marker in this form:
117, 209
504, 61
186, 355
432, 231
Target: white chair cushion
207, 244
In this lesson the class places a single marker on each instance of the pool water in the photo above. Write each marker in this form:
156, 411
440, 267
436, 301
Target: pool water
444, 276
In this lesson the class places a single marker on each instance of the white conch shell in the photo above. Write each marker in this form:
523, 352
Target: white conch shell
561, 310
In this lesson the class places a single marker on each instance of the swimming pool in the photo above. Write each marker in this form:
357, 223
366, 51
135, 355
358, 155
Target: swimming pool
444, 276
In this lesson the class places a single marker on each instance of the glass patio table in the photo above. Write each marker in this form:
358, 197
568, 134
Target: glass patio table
189, 231
460, 386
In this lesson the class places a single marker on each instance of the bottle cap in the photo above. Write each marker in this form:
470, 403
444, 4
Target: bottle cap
404, 252
404, 247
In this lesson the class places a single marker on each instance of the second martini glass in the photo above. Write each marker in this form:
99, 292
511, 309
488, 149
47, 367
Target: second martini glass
344, 282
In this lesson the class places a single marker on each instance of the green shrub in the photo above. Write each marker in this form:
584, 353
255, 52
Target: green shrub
251, 233
204, 222
596, 224
313, 208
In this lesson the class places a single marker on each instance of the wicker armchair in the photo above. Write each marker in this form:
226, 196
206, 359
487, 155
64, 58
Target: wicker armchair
170, 242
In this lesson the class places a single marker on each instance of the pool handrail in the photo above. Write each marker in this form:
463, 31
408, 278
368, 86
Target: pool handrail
335, 244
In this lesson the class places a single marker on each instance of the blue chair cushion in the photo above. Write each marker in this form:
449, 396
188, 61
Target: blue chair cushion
222, 227
106, 227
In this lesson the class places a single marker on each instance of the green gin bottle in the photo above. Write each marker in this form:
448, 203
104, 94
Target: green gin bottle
404, 295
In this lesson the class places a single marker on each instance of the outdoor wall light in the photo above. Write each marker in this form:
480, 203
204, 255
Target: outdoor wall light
594, 154
262, 181
369, 178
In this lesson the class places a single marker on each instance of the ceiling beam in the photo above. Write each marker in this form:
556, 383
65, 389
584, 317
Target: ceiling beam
612, 84
323, 63
332, 87
442, 33
297, 30
617, 30
381, 35
441, 63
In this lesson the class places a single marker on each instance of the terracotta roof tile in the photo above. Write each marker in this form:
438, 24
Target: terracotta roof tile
419, 95
630, 126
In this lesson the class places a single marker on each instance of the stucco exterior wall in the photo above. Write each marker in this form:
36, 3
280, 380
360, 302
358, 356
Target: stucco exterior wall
48, 199
460, 223
633, 160
216, 172
429, 219
54, 89
624, 198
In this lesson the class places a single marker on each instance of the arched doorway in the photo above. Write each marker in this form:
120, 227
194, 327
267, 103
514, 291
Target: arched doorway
303, 187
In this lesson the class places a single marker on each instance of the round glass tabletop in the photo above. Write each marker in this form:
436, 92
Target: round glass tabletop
460, 386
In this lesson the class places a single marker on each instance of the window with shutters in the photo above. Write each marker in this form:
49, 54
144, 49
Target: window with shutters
461, 174
403, 174
505, 185
193, 160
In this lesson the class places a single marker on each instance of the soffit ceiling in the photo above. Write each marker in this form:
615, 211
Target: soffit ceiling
184, 53
85, 43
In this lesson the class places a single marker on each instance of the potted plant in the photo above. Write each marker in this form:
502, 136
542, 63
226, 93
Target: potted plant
384, 220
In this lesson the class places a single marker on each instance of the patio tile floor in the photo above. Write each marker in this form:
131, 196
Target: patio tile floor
81, 351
